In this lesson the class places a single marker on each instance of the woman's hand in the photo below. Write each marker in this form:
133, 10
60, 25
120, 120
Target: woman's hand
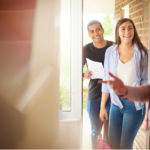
103, 113
87, 74
117, 85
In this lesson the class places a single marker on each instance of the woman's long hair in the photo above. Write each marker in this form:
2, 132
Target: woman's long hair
135, 40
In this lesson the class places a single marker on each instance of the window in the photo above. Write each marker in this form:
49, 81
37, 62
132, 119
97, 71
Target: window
65, 56
71, 57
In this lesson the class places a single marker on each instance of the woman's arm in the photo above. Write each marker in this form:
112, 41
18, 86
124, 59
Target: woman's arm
103, 112
144, 73
105, 90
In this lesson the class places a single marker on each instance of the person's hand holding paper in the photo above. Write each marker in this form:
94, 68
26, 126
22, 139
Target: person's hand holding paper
96, 68
87, 74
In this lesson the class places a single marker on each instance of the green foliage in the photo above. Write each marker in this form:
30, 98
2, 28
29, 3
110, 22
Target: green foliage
63, 95
108, 26
84, 69
65, 64
84, 104
85, 93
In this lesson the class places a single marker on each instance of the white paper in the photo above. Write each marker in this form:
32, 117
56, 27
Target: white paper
96, 68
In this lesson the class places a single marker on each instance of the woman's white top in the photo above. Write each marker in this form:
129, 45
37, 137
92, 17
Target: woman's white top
125, 72
110, 65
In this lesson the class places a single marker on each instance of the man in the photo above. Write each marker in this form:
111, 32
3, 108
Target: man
95, 51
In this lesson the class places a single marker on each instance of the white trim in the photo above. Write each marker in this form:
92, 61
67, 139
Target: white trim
126, 11
76, 60
64, 120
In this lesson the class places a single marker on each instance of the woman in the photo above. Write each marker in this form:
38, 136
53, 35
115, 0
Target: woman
128, 61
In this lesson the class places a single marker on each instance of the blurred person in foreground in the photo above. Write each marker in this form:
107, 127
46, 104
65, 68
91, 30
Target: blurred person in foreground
132, 94
128, 60
95, 51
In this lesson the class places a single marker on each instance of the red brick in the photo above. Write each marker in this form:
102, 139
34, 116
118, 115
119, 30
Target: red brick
145, 31
139, 32
136, 2
137, 20
146, 17
142, 38
138, 26
127, 2
146, 44
145, 25
146, 38
146, 3
117, 3
136, 14
146, 10
118, 7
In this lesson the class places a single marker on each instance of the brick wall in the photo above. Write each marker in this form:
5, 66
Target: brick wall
139, 13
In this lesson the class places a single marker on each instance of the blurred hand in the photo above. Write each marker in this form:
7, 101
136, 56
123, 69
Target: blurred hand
87, 74
103, 114
117, 85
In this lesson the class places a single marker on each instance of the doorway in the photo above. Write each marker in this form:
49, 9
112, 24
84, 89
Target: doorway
94, 11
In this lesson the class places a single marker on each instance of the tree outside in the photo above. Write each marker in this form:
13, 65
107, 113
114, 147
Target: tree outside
108, 26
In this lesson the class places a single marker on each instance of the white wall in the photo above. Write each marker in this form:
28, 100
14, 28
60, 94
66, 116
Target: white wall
70, 134
99, 6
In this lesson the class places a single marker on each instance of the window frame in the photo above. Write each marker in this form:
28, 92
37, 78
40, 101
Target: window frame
76, 61
126, 11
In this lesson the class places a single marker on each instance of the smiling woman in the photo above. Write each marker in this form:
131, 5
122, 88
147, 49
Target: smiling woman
126, 31
125, 117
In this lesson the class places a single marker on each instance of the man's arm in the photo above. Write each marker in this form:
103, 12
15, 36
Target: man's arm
87, 74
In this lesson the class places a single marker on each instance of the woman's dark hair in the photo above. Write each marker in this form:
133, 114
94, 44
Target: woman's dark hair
94, 22
135, 40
